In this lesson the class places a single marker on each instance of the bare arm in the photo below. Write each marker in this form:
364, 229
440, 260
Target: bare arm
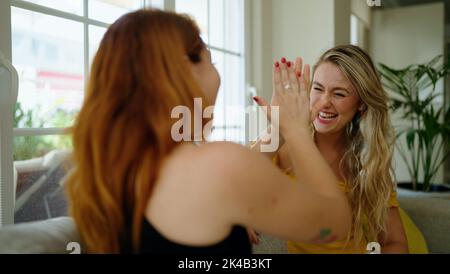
301, 73
395, 242
267, 200
285, 209
266, 140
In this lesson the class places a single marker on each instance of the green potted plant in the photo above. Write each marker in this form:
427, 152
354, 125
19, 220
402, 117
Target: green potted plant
427, 126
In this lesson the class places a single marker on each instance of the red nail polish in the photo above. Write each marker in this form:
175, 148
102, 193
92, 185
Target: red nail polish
277, 64
289, 64
283, 60
255, 99
299, 74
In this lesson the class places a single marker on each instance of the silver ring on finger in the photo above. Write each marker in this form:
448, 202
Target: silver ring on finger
287, 87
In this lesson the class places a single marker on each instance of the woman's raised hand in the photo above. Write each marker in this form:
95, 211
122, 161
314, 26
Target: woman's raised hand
290, 93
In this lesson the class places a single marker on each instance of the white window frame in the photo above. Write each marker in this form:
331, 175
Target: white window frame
6, 130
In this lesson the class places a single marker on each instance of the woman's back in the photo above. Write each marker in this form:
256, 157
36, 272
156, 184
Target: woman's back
186, 206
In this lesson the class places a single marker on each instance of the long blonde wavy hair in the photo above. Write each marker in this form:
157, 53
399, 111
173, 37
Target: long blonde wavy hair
367, 163
123, 131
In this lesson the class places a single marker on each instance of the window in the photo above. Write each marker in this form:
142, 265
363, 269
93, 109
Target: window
222, 25
53, 43
48, 54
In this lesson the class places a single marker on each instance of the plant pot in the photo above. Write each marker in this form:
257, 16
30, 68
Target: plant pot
441, 188
436, 190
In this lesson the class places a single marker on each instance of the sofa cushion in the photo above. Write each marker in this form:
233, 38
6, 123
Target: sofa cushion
432, 217
54, 236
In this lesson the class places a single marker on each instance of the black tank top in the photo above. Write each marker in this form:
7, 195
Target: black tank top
153, 242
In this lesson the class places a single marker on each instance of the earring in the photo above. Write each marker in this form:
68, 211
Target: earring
362, 108
349, 129
353, 126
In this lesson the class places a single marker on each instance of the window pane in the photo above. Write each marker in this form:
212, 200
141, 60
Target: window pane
198, 10
95, 37
217, 23
229, 111
40, 164
234, 98
72, 6
234, 25
48, 55
218, 134
30, 147
110, 10
159, 4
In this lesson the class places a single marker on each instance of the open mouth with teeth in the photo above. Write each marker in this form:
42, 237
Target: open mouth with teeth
326, 117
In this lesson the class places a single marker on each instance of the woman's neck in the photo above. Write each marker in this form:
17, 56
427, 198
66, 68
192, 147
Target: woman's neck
327, 142
332, 147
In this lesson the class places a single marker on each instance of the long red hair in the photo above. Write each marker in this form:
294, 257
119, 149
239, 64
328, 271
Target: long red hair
123, 130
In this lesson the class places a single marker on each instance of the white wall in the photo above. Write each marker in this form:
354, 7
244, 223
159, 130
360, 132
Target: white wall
404, 36
362, 11
260, 49
408, 35
302, 28
291, 28
308, 28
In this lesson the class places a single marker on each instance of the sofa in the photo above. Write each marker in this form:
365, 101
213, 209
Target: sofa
52, 236
430, 213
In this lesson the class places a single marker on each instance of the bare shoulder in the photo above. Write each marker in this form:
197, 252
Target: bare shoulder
216, 158
220, 167
228, 149
196, 185
212, 173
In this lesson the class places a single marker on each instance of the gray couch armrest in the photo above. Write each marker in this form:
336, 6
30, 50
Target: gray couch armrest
432, 216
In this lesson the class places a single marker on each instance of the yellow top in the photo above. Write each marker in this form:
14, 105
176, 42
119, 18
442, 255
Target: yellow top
416, 241
336, 247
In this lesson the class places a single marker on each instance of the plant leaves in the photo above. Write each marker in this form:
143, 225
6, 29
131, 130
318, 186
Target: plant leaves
410, 137
429, 125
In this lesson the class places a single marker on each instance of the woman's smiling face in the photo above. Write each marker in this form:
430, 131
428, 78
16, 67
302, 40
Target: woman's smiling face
335, 99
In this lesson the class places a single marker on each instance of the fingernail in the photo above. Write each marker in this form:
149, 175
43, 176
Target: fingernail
299, 74
289, 64
255, 99
277, 64
283, 60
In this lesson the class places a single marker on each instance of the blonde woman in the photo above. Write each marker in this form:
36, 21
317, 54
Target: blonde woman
352, 130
